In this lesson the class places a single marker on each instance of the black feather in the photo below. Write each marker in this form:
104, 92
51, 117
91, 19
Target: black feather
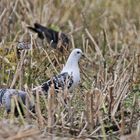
51, 35
60, 81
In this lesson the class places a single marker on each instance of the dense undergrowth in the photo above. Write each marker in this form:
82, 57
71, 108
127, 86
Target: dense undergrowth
107, 103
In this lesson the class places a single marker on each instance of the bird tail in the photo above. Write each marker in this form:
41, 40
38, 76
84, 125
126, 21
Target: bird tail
38, 29
38, 88
32, 29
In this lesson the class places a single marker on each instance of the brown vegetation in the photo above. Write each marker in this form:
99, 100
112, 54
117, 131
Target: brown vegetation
106, 105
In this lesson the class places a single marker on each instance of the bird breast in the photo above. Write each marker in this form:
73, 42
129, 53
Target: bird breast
75, 75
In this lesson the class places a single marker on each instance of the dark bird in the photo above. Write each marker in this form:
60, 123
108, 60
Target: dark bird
69, 76
5, 100
57, 40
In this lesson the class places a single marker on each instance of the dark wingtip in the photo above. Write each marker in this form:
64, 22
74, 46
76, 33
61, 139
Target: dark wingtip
32, 28
37, 29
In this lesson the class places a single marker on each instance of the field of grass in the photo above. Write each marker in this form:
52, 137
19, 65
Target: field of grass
106, 105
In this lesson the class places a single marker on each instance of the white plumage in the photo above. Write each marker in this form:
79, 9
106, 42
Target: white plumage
72, 67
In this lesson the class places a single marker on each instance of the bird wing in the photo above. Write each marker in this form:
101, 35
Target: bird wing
44, 32
53, 37
60, 81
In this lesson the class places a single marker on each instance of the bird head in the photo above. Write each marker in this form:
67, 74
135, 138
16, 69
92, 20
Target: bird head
77, 54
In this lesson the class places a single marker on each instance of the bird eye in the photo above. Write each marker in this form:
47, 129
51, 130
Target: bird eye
78, 52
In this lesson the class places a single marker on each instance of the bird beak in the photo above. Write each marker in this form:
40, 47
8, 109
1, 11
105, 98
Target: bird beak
85, 57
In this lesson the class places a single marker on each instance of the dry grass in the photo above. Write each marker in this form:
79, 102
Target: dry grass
106, 105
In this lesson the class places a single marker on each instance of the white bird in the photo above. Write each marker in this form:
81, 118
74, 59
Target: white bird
69, 76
